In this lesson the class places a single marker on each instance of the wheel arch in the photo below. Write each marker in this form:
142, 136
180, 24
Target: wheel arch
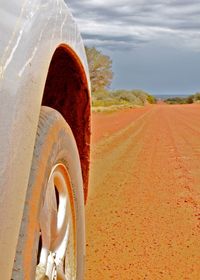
29, 37
67, 91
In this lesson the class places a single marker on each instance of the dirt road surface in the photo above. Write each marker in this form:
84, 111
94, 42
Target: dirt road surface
143, 211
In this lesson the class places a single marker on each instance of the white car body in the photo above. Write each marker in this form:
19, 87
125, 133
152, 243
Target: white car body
30, 32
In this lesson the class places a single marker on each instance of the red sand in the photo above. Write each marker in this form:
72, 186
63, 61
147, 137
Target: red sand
143, 210
104, 124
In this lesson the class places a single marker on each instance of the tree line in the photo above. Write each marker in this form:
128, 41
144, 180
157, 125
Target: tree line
193, 98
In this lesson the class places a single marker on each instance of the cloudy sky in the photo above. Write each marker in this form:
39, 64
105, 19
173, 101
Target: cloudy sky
154, 44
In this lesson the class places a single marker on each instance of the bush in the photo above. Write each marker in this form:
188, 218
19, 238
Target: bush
151, 99
196, 97
190, 99
100, 95
121, 97
176, 100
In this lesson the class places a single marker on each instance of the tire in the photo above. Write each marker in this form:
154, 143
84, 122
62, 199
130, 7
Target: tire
53, 221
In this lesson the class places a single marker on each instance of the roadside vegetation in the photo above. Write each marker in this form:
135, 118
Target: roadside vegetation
194, 98
101, 76
126, 98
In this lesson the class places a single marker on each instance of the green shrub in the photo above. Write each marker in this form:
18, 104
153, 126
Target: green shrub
176, 100
196, 97
190, 99
151, 99
121, 97
100, 95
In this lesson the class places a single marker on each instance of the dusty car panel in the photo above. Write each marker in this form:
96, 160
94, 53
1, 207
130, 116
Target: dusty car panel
30, 31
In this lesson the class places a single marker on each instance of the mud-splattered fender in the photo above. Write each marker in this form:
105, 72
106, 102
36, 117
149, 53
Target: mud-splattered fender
30, 32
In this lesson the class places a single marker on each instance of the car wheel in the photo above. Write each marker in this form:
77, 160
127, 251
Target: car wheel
51, 242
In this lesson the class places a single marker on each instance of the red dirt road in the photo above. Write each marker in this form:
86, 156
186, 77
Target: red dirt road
143, 211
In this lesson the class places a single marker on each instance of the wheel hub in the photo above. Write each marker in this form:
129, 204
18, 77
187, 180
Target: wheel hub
51, 269
57, 255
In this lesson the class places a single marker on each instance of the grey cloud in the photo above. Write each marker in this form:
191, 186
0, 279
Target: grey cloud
170, 16
113, 38
154, 44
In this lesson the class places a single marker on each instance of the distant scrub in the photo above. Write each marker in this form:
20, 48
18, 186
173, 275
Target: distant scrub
195, 98
176, 100
122, 97
101, 75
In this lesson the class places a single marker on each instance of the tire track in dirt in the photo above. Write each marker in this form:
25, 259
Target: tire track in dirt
115, 152
189, 148
140, 223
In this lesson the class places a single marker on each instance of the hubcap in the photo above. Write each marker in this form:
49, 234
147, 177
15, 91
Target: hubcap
57, 248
